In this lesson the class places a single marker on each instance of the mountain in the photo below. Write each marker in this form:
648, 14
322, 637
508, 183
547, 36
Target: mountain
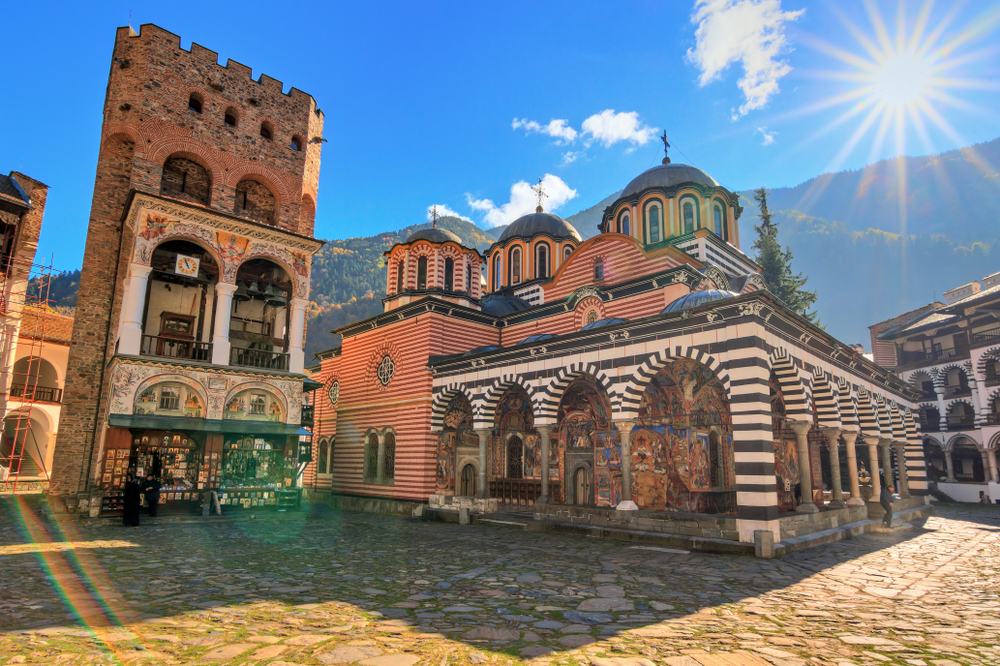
586, 220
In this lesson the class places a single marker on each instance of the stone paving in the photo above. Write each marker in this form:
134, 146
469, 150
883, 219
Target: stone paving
343, 588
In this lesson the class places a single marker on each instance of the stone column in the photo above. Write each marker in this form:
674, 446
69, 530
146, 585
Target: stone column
296, 335
625, 431
994, 472
872, 443
987, 473
223, 315
801, 430
886, 462
484, 436
951, 466
545, 433
833, 444
904, 480
130, 336
850, 437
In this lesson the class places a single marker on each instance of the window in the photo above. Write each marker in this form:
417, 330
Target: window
496, 271
254, 201
623, 227
422, 273
515, 266
399, 277
386, 369
170, 398
568, 250
194, 103
599, 268
232, 117
389, 457
720, 227
296, 143
468, 279
449, 274
184, 179
542, 262
591, 317
654, 224
334, 392
688, 217
266, 130
371, 458
258, 404
321, 464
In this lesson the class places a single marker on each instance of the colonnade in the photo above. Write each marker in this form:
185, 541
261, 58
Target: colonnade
991, 470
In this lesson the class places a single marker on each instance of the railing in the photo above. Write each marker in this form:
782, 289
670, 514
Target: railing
991, 419
986, 337
522, 492
258, 358
307, 415
992, 378
928, 396
953, 391
961, 423
39, 393
154, 345
921, 358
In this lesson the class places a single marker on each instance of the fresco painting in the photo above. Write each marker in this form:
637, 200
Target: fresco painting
585, 424
514, 416
457, 427
786, 457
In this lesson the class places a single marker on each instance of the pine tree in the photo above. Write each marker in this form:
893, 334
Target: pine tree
776, 264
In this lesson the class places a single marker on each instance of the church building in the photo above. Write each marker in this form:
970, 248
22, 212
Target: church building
644, 372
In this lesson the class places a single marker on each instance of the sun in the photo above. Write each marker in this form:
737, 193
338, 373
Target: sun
902, 80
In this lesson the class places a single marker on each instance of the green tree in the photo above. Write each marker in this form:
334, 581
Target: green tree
776, 264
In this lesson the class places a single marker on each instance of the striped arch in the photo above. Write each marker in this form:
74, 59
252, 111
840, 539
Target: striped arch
954, 401
896, 419
631, 394
993, 395
867, 418
961, 367
484, 410
991, 354
955, 439
548, 404
848, 404
796, 403
825, 398
882, 414
441, 401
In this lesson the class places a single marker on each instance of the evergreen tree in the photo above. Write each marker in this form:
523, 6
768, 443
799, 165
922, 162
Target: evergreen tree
776, 264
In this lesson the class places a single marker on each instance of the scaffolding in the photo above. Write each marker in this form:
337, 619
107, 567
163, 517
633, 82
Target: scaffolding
24, 288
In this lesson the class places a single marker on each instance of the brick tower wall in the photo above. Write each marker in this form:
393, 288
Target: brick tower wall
146, 122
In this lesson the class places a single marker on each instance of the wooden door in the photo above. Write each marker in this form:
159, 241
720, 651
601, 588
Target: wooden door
581, 487
467, 483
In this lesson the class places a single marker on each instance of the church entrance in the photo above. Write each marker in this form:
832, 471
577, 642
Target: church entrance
515, 457
581, 487
467, 482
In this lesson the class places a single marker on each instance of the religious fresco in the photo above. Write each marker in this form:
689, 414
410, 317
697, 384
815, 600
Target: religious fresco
513, 416
532, 457
585, 424
686, 393
457, 429
786, 457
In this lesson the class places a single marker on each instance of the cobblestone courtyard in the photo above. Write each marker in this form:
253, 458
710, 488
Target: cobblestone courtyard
338, 588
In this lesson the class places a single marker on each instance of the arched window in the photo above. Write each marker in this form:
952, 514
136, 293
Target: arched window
296, 143
599, 268
255, 202
496, 271
449, 274
323, 460
371, 458
422, 273
542, 261
654, 224
623, 224
389, 462
195, 102
468, 279
185, 179
266, 130
591, 317
515, 266
568, 250
232, 117
399, 276
688, 217
720, 222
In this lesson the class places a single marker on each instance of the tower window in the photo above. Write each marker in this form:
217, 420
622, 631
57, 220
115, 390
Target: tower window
599, 268
449, 274
688, 218
194, 103
422, 273
720, 223
568, 250
515, 266
266, 130
654, 224
496, 271
296, 143
623, 224
231, 117
399, 277
468, 279
542, 263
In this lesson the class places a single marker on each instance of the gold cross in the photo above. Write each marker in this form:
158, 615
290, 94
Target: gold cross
666, 147
541, 193
434, 216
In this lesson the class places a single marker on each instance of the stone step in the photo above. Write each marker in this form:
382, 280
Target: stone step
879, 528
848, 531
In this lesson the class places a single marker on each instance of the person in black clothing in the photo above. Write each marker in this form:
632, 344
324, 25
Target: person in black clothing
885, 499
133, 493
151, 489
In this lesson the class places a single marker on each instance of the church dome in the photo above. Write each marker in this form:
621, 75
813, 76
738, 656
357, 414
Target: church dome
434, 235
696, 298
529, 225
668, 175
499, 306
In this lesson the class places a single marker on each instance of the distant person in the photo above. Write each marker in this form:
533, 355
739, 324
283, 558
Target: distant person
886, 501
151, 489
133, 498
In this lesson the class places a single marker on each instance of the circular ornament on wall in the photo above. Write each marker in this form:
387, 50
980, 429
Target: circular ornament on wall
386, 369
334, 392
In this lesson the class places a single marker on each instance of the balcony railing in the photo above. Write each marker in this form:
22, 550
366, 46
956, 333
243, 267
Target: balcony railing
258, 358
992, 378
928, 396
154, 345
991, 419
961, 422
908, 359
986, 337
38, 393
955, 391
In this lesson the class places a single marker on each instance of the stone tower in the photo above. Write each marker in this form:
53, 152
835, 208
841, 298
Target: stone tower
236, 161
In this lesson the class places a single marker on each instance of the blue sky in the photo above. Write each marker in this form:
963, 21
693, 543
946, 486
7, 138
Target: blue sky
452, 103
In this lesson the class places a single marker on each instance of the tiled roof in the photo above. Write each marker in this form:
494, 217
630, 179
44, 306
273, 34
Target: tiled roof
47, 324
992, 291
10, 191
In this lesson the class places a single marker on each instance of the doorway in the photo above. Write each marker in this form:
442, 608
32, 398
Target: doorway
582, 494
467, 481
515, 458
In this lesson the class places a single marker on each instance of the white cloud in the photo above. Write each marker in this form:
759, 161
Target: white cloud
444, 211
768, 136
571, 156
523, 201
558, 129
609, 128
750, 32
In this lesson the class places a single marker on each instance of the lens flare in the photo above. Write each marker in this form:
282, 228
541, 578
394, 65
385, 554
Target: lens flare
902, 80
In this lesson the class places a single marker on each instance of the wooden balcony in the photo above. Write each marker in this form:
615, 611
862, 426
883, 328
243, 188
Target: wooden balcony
30, 393
154, 345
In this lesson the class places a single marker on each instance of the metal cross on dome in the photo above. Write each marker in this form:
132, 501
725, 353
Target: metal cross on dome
540, 193
434, 216
666, 147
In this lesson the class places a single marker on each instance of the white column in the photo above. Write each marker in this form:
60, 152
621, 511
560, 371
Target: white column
296, 335
130, 334
484, 489
801, 430
223, 315
992, 457
872, 443
904, 480
850, 437
545, 435
833, 446
950, 463
625, 432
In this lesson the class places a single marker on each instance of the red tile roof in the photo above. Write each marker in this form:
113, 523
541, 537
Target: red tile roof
46, 324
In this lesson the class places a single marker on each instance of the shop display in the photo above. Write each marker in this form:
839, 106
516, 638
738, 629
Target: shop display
256, 462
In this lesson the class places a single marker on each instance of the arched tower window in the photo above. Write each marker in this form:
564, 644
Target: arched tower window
654, 224
389, 458
267, 130
688, 217
449, 274
399, 277
232, 117
422, 273
296, 143
623, 224
496, 271
515, 266
568, 250
599, 268
371, 458
195, 102
719, 217
255, 202
468, 279
542, 261
185, 179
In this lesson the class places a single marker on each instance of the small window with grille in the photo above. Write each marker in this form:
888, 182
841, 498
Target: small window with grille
258, 404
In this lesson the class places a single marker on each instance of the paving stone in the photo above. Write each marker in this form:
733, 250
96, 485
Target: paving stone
492, 634
268, 652
347, 653
227, 651
392, 660
307, 639
576, 641
606, 605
